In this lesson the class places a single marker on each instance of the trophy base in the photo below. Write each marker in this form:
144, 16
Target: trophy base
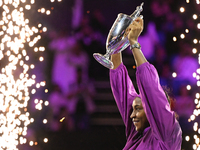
103, 60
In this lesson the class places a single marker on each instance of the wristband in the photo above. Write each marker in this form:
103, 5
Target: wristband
136, 45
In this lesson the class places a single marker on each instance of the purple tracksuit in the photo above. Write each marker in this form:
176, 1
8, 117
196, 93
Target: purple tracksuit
164, 132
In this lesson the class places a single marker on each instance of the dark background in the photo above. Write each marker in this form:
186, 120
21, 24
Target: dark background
104, 136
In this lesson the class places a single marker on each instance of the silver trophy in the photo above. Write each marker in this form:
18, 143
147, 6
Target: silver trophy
117, 40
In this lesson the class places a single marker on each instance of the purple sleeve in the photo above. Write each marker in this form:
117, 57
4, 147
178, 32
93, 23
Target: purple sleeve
124, 94
162, 120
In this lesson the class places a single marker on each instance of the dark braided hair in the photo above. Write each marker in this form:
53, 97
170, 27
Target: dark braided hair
168, 92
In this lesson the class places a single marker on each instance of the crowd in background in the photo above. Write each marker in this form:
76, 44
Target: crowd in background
73, 69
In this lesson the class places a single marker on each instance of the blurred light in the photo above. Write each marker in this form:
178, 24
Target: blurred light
46, 90
188, 87
32, 120
194, 146
45, 121
174, 39
46, 103
44, 29
195, 41
39, 25
174, 75
195, 16
61, 120
41, 58
199, 59
45, 140
33, 91
195, 127
187, 138
42, 83
182, 36
32, 66
197, 95
194, 50
42, 10
48, 12
33, 76
198, 71
197, 141
182, 9
198, 83
192, 117
32, 1
196, 101
36, 101
198, 25
31, 143
197, 77
28, 7
42, 49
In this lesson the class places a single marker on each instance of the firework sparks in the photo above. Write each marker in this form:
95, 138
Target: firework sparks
18, 38
196, 75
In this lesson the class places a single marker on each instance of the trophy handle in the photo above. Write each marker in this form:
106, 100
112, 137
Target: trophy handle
137, 12
104, 60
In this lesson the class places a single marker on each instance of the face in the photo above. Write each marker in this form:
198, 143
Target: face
138, 116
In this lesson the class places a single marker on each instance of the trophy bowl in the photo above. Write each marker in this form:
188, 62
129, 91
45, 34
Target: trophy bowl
117, 40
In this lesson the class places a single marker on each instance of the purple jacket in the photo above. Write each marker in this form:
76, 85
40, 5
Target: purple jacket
164, 132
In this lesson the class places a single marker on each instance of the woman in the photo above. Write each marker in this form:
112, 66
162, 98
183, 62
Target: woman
150, 123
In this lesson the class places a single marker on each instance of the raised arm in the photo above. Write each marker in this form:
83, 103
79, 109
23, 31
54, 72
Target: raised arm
161, 118
123, 92
135, 30
116, 59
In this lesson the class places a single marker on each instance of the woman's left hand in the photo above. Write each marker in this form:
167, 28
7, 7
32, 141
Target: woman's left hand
134, 30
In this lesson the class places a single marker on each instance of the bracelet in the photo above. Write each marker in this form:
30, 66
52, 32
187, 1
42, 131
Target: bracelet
136, 45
